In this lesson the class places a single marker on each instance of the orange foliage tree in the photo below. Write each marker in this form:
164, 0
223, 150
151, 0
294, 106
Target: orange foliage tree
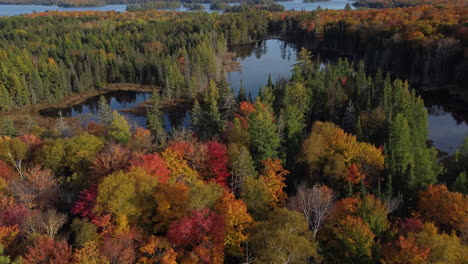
273, 175
239, 223
449, 210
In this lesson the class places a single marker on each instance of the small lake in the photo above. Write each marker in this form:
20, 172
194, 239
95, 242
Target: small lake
447, 126
119, 101
298, 5
272, 57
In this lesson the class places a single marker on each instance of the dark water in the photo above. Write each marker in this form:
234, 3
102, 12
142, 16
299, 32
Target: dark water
448, 125
448, 121
13, 10
271, 57
119, 100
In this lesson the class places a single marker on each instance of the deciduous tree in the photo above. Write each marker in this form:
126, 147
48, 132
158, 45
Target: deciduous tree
315, 203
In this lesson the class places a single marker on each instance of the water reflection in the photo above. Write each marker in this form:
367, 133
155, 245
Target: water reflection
119, 101
447, 123
298, 5
272, 57
447, 117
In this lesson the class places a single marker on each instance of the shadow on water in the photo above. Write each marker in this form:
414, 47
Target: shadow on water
87, 110
276, 58
447, 116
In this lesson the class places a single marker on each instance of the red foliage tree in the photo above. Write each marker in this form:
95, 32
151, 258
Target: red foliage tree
85, 203
13, 215
203, 231
410, 225
47, 250
5, 171
96, 129
182, 148
354, 174
218, 162
122, 247
154, 165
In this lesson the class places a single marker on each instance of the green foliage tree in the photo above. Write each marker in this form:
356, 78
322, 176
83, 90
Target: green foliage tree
7, 128
119, 129
264, 139
155, 116
283, 238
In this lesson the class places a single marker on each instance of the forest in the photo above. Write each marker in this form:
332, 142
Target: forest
332, 165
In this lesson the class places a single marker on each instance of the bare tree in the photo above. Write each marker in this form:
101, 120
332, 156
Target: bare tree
48, 223
36, 189
315, 203
249, 258
392, 203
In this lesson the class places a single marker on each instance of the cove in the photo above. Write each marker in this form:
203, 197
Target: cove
447, 127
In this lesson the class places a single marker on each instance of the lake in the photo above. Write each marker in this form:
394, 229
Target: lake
119, 101
13, 10
447, 126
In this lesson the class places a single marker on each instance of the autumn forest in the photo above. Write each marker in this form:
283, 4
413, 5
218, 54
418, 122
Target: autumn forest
333, 164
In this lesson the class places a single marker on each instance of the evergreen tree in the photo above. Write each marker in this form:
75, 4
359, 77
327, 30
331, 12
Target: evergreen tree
104, 111
197, 116
242, 96
155, 116
264, 139
7, 128
400, 150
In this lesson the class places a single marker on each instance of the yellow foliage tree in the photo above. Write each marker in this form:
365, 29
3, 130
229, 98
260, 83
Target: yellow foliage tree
330, 151
238, 222
273, 175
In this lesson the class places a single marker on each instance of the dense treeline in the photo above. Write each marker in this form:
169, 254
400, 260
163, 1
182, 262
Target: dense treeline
92, 3
153, 6
71, 3
423, 44
46, 56
349, 146
402, 3
331, 166
51, 57
249, 7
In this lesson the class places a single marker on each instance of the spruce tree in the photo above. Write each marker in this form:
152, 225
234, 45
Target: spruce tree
155, 116
197, 116
264, 138
104, 111
242, 96
7, 127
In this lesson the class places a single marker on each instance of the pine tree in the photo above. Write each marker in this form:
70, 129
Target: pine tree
155, 116
197, 116
7, 127
104, 111
214, 123
242, 96
401, 149
264, 139
5, 99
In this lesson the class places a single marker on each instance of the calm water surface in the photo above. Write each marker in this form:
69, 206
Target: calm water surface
119, 101
13, 10
447, 127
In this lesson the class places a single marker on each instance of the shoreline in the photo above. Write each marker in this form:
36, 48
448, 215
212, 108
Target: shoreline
22, 116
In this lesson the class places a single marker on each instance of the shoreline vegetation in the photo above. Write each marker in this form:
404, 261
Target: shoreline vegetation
22, 115
331, 164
